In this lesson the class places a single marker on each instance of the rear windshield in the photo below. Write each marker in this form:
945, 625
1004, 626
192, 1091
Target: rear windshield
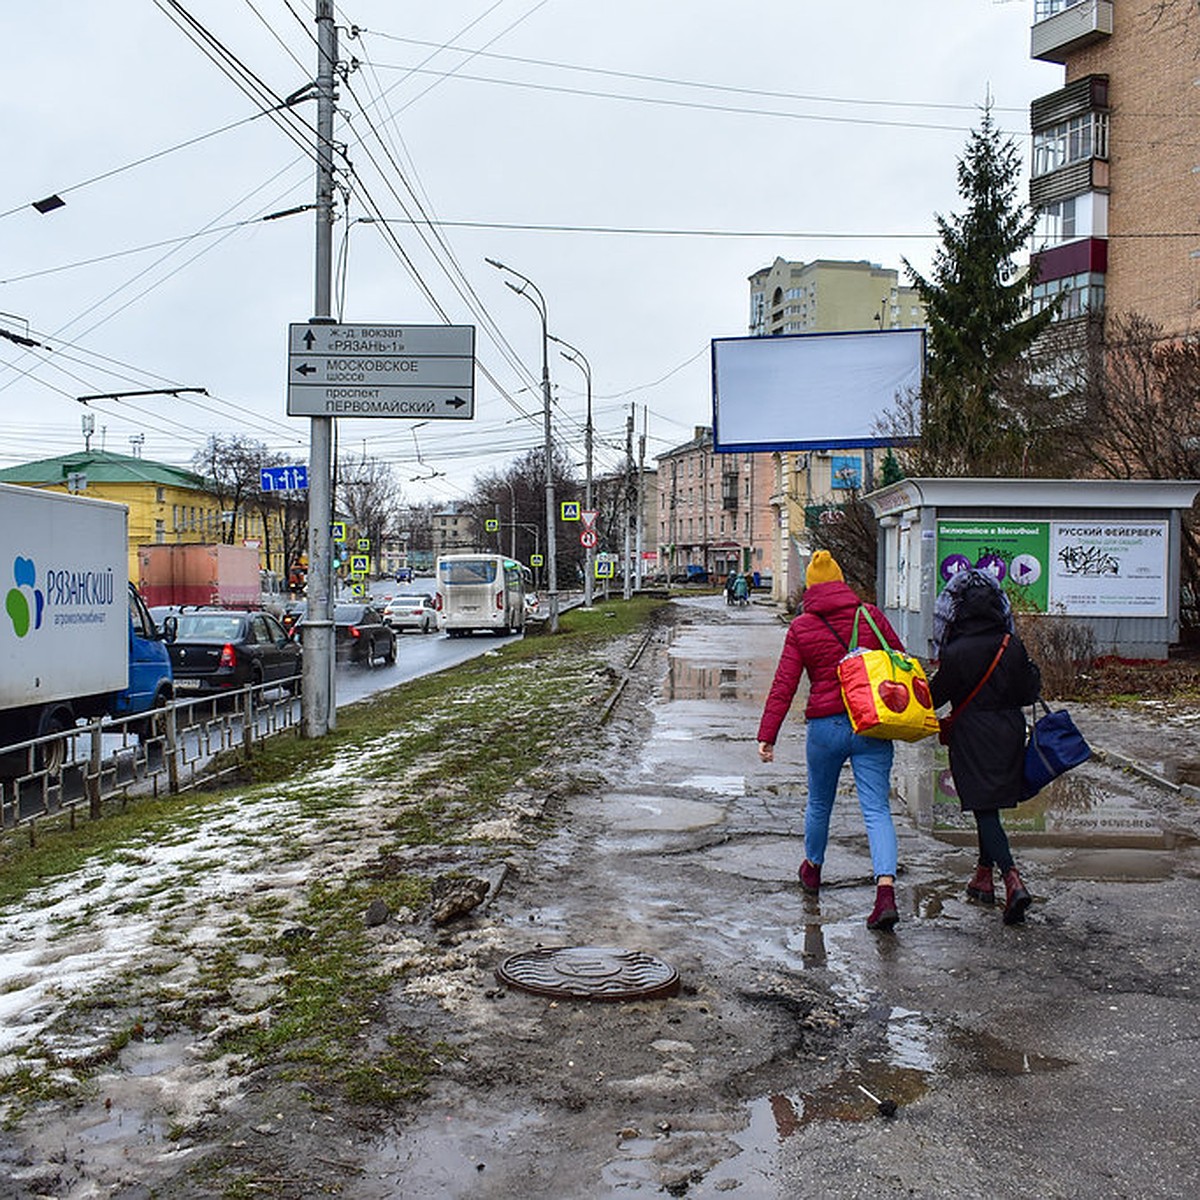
469, 570
208, 627
408, 600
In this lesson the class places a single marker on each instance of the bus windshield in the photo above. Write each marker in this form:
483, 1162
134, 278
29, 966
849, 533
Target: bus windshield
468, 570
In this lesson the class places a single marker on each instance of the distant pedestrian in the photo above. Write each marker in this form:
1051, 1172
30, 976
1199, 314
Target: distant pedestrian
985, 672
815, 643
730, 581
741, 589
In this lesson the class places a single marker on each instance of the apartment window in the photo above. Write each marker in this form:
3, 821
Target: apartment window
160, 531
1056, 222
1080, 294
1043, 10
160, 495
1070, 141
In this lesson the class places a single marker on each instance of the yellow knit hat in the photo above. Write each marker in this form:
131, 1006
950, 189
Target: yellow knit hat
823, 568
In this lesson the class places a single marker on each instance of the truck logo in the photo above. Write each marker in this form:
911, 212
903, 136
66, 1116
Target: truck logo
17, 602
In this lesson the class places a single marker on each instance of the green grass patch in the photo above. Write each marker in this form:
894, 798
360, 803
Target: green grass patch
429, 759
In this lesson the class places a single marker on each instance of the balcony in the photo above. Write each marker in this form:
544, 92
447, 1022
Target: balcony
1069, 27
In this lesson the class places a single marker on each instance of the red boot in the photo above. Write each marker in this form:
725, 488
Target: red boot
810, 878
982, 887
884, 915
1016, 898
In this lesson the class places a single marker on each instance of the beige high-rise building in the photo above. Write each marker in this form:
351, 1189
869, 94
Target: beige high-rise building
1116, 164
828, 296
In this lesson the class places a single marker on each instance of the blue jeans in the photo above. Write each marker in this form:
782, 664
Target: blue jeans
829, 741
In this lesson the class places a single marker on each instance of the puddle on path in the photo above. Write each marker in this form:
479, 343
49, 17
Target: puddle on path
1078, 810
645, 813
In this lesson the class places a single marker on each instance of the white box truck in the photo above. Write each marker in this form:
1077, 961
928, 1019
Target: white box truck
76, 640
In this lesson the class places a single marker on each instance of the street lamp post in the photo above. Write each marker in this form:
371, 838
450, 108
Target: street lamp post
577, 357
529, 290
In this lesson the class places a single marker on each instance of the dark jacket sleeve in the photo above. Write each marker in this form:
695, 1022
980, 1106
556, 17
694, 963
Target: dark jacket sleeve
783, 687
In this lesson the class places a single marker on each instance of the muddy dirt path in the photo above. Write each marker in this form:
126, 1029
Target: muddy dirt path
1051, 1059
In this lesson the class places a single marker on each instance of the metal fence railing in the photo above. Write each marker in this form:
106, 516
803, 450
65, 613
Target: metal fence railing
176, 748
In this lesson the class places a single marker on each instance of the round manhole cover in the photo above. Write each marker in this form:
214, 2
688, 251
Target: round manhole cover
589, 973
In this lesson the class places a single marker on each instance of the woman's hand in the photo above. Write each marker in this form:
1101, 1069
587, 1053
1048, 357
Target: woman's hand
766, 751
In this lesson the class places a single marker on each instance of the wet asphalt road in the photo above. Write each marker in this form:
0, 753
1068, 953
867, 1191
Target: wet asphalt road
1053, 1059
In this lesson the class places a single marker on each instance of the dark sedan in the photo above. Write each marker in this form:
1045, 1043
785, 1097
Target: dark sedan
360, 634
217, 650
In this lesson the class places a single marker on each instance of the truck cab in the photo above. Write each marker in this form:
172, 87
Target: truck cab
150, 683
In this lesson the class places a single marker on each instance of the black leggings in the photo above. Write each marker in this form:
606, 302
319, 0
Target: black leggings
993, 841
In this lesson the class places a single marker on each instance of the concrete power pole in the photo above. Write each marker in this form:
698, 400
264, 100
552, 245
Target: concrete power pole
318, 703
641, 496
626, 581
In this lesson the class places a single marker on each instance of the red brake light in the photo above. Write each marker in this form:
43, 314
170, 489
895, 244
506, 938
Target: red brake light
228, 657
499, 600
354, 631
439, 602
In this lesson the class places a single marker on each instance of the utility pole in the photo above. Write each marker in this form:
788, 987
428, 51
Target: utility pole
318, 702
572, 354
641, 496
532, 293
626, 582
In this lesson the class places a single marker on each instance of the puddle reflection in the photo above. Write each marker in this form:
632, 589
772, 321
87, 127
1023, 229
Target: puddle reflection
1074, 811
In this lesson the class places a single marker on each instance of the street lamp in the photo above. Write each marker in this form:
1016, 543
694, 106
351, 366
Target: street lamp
571, 354
529, 290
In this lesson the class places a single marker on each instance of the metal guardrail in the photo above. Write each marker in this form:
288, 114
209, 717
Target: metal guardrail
175, 748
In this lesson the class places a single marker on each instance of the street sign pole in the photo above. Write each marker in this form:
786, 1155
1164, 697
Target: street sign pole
318, 701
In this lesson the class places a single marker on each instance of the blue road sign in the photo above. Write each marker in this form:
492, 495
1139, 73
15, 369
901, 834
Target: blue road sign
284, 479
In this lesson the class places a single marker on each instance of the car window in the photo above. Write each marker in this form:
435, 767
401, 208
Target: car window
259, 631
275, 630
209, 627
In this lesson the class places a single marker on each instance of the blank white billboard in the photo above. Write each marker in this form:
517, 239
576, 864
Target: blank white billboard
811, 391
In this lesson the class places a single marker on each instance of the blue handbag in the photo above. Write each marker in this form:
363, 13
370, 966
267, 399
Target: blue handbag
1055, 746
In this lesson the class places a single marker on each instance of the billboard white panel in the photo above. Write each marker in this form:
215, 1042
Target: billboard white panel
812, 391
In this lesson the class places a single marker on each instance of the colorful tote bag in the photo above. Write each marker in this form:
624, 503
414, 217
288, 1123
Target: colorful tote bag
886, 692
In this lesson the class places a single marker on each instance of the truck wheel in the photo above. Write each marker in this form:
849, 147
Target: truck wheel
52, 756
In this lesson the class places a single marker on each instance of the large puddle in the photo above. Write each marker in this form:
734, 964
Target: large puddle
1091, 808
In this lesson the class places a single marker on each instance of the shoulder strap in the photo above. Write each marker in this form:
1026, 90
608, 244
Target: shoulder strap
862, 611
958, 708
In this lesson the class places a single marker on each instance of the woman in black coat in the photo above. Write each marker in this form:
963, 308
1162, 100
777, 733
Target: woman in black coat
987, 731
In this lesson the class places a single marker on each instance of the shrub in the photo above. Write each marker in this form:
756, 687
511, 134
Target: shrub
1062, 648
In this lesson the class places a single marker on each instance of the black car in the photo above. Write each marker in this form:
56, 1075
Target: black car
360, 634
217, 650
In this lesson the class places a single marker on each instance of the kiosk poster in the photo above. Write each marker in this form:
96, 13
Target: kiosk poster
1017, 553
1109, 568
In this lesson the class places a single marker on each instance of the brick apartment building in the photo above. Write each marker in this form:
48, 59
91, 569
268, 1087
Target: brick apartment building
1116, 162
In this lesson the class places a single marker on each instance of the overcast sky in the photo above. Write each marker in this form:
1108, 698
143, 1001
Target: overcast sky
637, 159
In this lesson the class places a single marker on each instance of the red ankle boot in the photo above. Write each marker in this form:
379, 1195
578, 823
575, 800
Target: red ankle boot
1016, 898
982, 887
810, 878
884, 915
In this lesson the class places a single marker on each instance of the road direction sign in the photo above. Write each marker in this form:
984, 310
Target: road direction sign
292, 478
381, 370
589, 539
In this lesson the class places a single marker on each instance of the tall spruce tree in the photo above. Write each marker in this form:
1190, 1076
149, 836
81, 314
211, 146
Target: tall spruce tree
977, 398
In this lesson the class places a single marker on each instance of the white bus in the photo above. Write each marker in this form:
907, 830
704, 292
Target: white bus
480, 591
